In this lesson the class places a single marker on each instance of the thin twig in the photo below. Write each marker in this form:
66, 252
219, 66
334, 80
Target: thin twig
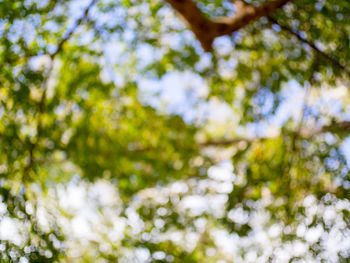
297, 34
336, 127
47, 75
300, 122
69, 34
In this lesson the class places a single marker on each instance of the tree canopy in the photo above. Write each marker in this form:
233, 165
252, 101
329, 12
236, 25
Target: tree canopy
174, 131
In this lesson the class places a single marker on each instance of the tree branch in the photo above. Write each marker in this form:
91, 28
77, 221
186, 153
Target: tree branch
335, 127
226, 142
311, 45
206, 30
47, 75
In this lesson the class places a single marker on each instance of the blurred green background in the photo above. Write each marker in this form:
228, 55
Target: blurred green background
121, 140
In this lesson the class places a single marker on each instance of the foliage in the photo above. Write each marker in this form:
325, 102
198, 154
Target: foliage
86, 105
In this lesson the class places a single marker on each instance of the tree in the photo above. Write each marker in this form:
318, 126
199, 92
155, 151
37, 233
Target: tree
174, 131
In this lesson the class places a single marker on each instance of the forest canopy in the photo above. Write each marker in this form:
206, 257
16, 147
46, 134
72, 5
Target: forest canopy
174, 131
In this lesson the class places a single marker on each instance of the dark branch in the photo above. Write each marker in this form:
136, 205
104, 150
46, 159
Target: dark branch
311, 45
226, 142
41, 103
69, 34
206, 30
335, 127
